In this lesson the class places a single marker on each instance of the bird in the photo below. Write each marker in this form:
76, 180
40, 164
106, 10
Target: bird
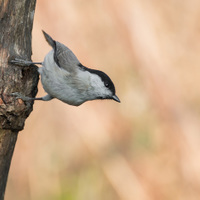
63, 77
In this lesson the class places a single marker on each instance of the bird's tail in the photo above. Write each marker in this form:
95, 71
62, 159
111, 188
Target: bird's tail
49, 39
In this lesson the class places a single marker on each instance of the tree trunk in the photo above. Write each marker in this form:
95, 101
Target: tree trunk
16, 21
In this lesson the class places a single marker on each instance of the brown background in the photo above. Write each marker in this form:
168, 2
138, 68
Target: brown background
147, 147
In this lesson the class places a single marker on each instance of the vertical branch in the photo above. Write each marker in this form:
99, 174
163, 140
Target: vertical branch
7, 141
16, 21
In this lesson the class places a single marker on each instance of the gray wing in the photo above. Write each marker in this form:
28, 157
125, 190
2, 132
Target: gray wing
63, 56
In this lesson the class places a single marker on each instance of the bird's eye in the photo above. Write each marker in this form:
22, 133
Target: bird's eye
107, 84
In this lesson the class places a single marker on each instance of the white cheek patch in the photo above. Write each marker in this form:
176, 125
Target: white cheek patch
99, 86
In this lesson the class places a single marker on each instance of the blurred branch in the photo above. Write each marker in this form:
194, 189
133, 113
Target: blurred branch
16, 20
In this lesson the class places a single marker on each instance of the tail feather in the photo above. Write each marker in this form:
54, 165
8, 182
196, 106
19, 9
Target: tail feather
52, 43
49, 39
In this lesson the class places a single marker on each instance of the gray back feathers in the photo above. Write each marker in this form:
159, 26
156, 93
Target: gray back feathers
63, 56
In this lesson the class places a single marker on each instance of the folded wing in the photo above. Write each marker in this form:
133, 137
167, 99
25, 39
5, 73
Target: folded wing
63, 56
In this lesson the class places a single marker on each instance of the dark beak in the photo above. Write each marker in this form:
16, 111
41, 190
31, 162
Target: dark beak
114, 97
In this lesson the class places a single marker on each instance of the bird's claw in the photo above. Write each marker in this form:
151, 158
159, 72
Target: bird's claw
20, 96
20, 62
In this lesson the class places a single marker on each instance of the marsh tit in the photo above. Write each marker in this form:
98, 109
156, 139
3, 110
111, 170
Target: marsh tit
65, 78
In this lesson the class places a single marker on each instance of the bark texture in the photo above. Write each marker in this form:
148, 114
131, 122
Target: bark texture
16, 21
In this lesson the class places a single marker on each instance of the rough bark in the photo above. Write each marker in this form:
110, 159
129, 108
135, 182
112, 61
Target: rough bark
16, 20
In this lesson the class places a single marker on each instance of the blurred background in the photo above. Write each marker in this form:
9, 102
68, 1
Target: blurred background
145, 148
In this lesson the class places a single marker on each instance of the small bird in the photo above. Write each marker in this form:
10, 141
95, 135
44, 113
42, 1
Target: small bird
65, 78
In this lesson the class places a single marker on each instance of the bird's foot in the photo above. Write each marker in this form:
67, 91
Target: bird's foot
20, 96
21, 62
